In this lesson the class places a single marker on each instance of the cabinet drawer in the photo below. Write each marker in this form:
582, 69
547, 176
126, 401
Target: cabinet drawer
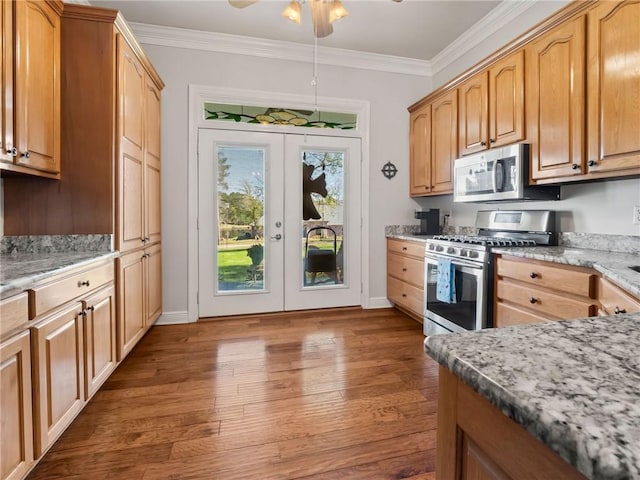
405, 295
545, 303
59, 292
614, 300
404, 247
511, 315
14, 312
410, 270
563, 278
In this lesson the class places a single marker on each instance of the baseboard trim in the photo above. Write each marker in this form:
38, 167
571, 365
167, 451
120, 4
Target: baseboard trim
378, 302
173, 318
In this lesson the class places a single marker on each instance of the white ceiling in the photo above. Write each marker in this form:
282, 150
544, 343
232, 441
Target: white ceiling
417, 29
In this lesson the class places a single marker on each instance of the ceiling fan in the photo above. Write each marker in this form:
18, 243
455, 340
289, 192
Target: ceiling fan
323, 13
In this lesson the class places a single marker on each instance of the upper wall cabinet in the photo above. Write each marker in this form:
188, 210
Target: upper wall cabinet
613, 85
492, 106
555, 86
420, 151
30, 125
433, 145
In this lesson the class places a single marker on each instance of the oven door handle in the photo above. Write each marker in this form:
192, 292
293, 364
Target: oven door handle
458, 262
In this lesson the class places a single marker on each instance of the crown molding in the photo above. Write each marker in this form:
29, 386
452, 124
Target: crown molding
275, 49
493, 21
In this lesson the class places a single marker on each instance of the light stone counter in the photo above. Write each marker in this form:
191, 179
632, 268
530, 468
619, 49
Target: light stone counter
574, 385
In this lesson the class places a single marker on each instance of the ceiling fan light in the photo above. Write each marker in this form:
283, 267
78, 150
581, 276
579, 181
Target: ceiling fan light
293, 12
337, 11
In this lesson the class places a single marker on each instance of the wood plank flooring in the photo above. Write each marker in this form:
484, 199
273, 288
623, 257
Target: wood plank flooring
336, 394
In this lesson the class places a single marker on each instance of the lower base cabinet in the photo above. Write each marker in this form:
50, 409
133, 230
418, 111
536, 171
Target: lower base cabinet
58, 373
476, 441
139, 278
16, 432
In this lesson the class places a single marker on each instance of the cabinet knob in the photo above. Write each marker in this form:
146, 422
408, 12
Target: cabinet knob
533, 275
146, 239
91, 308
619, 310
84, 283
12, 151
25, 154
575, 166
592, 163
484, 144
404, 249
404, 295
533, 300
404, 269
492, 140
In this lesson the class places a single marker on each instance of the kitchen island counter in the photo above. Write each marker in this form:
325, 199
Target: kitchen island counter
573, 385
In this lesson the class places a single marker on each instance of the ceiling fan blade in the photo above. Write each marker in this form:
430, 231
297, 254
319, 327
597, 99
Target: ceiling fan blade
241, 3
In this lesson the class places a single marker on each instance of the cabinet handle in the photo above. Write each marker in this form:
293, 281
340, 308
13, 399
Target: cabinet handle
575, 166
25, 154
619, 310
533, 275
592, 163
91, 308
533, 300
84, 283
483, 144
492, 140
12, 151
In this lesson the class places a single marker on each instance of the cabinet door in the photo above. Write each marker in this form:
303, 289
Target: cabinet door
37, 87
506, 100
16, 434
555, 108
152, 163
474, 114
130, 301
613, 82
444, 141
420, 141
131, 93
59, 378
99, 338
6, 81
153, 284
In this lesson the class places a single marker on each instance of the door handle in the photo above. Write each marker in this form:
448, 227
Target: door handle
277, 236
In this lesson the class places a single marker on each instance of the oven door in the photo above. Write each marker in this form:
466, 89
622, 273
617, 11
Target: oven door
470, 310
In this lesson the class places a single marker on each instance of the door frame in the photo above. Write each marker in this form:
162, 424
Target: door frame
199, 94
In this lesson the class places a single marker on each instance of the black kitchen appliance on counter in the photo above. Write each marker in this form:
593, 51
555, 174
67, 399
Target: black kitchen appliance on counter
429, 221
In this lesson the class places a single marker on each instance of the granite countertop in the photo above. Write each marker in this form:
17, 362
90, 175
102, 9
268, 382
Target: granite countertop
27, 259
612, 265
410, 236
574, 385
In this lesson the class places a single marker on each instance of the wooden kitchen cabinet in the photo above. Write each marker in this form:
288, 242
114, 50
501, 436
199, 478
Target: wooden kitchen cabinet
473, 128
139, 296
99, 327
434, 146
529, 291
16, 434
31, 87
73, 342
613, 86
476, 441
614, 300
420, 151
506, 100
555, 86
405, 276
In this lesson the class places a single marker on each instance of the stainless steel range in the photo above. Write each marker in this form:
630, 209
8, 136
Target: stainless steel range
458, 274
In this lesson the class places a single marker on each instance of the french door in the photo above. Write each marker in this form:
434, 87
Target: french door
278, 222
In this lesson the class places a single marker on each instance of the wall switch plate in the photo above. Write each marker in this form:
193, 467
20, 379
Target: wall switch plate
636, 215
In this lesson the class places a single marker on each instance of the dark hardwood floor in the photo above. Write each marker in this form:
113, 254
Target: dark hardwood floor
336, 394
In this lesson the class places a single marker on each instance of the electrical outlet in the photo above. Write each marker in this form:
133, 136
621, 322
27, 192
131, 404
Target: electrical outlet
636, 215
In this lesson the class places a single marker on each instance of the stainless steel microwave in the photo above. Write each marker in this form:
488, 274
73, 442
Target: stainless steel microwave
499, 174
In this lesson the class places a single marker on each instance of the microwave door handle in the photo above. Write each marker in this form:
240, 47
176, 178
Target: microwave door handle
498, 176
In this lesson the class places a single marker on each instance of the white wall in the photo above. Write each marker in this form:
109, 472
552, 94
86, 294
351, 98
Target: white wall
389, 95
